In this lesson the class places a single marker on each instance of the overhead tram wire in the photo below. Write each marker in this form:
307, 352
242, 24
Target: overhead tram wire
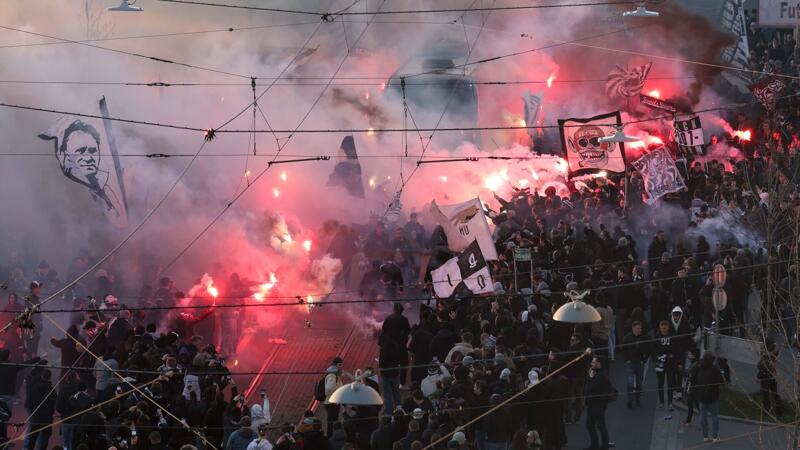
134, 54
289, 82
413, 11
299, 299
731, 106
159, 35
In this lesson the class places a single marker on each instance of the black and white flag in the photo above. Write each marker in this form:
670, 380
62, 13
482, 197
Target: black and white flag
533, 106
86, 151
469, 269
660, 174
689, 136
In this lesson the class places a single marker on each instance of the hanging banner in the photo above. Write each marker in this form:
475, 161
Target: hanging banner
689, 136
583, 151
657, 103
86, 153
626, 83
768, 90
777, 13
347, 172
468, 269
660, 174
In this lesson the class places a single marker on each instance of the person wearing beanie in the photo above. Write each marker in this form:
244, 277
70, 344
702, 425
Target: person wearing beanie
436, 373
242, 437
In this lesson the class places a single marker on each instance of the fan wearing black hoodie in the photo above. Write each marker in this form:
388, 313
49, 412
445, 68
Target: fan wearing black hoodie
666, 354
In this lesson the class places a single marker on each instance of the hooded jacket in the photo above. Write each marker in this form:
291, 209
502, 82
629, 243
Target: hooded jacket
240, 439
260, 414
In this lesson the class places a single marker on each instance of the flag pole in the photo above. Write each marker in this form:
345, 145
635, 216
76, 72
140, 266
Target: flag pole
112, 146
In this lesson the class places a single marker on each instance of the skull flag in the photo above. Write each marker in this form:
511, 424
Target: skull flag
689, 135
626, 83
469, 269
87, 155
660, 174
580, 140
768, 90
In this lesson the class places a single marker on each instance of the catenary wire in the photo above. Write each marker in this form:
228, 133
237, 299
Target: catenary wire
415, 11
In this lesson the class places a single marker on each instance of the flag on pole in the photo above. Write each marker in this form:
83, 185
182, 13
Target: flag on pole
469, 269
464, 223
626, 83
86, 153
533, 108
768, 90
347, 172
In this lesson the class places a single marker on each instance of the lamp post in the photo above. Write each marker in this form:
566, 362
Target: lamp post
576, 310
356, 393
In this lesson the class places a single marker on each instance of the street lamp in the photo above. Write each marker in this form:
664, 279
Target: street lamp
619, 136
126, 6
576, 310
356, 393
640, 11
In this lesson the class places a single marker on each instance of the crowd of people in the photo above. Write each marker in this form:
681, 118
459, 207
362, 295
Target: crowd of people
485, 372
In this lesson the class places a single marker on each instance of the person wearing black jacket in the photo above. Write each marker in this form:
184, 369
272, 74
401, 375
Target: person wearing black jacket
707, 386
43, 400
637, 351
78, 402
8, 376
598, 392
392, 360
665, 356
498, 425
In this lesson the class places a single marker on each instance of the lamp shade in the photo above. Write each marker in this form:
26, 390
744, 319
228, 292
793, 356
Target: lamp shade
357, 393
577, 312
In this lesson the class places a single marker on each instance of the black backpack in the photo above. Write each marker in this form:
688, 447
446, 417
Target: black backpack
319, 390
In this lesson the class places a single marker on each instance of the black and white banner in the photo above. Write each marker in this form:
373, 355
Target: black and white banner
469, 269
463, 224
583, 150
86, 152
689, 136
738, 54
660, 174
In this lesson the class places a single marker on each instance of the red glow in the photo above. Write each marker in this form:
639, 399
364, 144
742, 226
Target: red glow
654, 93
653, 140
307, 245
550, 80
743, 135
276, 192
265, 288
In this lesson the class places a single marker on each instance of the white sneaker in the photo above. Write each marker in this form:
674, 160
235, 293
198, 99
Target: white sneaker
705, 439
716, 439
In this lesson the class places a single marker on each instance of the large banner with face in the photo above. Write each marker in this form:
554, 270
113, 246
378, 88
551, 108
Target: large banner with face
83, 149
660, 174
580, 140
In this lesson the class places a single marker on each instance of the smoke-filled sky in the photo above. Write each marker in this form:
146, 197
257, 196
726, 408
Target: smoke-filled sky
46, 215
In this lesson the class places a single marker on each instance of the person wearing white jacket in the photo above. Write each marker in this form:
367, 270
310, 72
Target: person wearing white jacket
260, 414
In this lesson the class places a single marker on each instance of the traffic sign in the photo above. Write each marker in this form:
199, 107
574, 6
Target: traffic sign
719, 299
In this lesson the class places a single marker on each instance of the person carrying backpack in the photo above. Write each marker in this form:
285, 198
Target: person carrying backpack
330, 383
599, 393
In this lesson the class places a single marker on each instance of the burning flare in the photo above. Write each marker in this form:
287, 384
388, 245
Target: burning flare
276, 192
266, 287
743, 135
550, 80
655, 93
283, 176
307, 245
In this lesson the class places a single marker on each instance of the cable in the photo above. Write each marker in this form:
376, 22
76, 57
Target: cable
325, 16
289, 82
372, 130
301, 301
150, 36
138, 55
